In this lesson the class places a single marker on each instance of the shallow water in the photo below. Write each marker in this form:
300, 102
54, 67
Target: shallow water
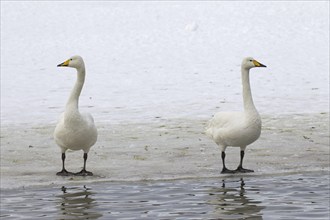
298, 196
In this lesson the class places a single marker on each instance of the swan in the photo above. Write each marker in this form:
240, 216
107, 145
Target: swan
237, 129
75, 131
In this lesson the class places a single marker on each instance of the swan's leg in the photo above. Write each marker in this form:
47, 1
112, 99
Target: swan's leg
63, 172
224, 168
240, 168
84, 172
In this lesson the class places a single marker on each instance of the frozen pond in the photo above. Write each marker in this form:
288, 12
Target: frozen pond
156, 72
167, 149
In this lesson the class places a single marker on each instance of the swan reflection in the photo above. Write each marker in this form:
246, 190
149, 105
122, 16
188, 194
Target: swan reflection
77, 203
232, 200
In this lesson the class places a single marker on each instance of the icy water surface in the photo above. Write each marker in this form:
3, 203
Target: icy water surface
297, 196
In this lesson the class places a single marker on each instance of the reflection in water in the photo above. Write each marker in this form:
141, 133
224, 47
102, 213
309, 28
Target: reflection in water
299, 196
231, 201
76, 203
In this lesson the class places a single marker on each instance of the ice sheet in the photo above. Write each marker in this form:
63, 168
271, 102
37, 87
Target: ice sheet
167, 149
156, 72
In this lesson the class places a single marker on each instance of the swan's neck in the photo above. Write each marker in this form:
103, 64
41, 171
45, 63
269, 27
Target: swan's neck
72, 104
247, 96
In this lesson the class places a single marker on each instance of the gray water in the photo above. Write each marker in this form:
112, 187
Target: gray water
296, 196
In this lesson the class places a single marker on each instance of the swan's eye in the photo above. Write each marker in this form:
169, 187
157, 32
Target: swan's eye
70, 59
251, 60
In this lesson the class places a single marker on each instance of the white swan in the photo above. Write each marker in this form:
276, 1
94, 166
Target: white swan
237, 129
74, 130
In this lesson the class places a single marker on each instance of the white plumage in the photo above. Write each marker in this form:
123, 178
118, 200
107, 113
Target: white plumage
237, 129
75, 131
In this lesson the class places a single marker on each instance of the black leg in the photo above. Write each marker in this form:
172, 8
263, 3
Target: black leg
63, 172
84, 172
224, 168
240, 168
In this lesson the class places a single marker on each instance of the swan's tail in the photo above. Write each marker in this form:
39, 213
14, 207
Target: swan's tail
209, 129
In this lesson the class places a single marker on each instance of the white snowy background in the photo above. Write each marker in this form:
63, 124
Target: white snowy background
162, 59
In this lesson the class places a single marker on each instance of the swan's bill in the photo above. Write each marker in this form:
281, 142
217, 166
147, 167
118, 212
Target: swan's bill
257, 64
66, 63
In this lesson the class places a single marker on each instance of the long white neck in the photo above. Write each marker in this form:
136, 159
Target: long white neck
73, 101
247, 96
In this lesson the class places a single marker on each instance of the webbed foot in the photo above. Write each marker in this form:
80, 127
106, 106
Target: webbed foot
242, 170
84, 172
225, 170
64, 172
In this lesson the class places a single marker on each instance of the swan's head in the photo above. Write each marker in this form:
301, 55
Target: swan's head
249, 63
75, 62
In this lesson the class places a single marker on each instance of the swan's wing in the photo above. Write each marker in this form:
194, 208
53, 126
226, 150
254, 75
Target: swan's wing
90, 129
59, 125
58, 132
223, 121
88, 118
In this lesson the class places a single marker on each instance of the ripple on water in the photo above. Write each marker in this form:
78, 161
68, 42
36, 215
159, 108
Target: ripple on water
304, 196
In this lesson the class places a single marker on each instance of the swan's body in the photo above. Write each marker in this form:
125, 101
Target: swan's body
234, 129
237, 129
75, 131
